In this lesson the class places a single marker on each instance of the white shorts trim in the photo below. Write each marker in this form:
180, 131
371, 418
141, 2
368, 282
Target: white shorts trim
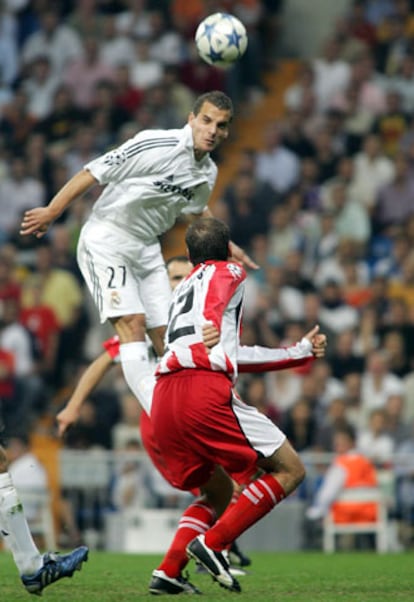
263, 435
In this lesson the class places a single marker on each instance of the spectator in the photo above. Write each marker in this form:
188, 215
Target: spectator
301, 89
374, 441
127, 96
335, 314
84, 73
372, 171
397, 425
392, 124
245, 203
145, 71
299, 426
60, 291
344, 360
166, 44
394, 204
378, 383
24, 190
134, 20
332, 74
115, 48
399, 361
15, 339
55, 40
277, 165
41, 322
180, 95
40, 86
402, 82
16, 123
335, 418
9, 53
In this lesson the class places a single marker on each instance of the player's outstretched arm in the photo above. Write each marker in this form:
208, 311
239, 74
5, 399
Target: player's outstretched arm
266, 359
88, 381
239, 255
36, 221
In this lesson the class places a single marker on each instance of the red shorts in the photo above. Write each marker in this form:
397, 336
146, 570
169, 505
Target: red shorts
196, 427
152, 449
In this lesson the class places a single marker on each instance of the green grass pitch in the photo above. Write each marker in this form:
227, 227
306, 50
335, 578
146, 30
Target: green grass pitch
273, 577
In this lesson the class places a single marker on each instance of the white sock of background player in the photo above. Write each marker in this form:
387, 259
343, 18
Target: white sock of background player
15, 530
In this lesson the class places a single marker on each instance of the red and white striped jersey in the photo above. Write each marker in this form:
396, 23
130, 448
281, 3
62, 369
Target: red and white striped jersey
212, 292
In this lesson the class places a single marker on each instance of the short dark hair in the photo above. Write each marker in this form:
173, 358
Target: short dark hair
179, 258
216, 98
208, 238
347, 430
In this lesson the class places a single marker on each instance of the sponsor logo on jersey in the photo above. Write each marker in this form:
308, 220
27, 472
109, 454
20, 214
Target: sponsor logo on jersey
167, 186
235, 270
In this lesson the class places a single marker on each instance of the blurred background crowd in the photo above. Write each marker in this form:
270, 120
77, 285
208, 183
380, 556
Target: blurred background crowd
324, 203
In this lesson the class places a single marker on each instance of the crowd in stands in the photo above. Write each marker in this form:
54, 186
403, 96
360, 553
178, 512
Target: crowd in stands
325, 206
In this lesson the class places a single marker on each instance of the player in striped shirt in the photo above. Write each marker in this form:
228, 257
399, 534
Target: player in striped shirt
150, 181
203, 429
167, 577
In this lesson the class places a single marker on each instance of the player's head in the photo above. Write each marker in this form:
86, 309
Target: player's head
207, 238
210, 118
178, 268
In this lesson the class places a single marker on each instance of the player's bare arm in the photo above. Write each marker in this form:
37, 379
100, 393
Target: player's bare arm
36, 221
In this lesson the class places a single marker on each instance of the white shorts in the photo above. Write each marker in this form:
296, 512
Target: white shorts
262, 434
124, 275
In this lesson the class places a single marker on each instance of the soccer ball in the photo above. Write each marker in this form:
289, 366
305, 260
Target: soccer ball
221, 39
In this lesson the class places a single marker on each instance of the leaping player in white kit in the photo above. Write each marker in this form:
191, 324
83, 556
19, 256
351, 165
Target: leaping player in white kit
150, 180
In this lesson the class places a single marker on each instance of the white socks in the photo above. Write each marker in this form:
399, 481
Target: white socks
138, 372
15, 530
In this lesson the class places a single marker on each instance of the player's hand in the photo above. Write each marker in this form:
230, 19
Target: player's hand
211, 336
319, 341
239, 255
36, 221
66, 418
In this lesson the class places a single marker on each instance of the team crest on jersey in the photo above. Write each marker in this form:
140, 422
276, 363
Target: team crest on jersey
235, 270
115, 299
116, 157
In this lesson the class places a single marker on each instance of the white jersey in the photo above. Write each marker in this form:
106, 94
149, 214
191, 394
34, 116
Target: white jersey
152, 179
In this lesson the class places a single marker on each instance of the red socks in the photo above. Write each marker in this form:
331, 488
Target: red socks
255, 501
196, 519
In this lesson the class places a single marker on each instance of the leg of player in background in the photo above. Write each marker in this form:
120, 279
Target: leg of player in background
36, 571
195, 520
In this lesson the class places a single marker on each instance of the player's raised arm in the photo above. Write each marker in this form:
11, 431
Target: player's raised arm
36, 221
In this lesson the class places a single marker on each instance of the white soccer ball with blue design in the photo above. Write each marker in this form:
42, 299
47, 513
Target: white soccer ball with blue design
221, 39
